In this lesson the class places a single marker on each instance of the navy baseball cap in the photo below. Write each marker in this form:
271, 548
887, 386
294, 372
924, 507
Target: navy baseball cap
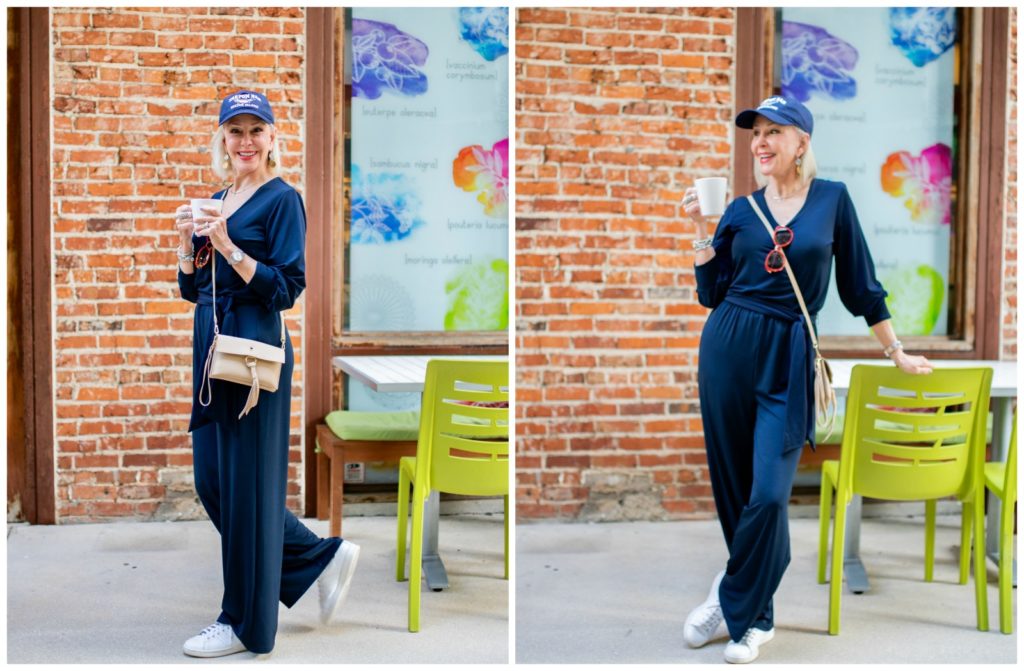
246, 102
781, 110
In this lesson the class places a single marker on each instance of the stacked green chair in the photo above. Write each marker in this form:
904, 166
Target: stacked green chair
1001, 478
908, 437
462, 449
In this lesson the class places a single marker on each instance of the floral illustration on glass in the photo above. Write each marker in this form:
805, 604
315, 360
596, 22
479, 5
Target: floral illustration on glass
478, 297
380, 303
922, 33
915, 298
815, 60
485, 29
385, 207
923, 181
476, 169
386, 59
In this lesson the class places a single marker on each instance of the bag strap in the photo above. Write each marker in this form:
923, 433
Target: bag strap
213, 280
789, 271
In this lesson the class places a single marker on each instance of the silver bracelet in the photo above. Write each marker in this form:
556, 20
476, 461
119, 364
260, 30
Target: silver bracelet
186, 257
891, 349
703, 243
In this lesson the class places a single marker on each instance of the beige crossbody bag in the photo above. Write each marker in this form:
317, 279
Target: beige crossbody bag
824, 395
251, 363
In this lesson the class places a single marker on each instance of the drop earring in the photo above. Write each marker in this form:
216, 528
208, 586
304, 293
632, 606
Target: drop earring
270, 159
799, 162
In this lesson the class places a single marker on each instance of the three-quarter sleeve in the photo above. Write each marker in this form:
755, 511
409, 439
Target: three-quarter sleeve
187, 286
281, 277
713, 277
858, 288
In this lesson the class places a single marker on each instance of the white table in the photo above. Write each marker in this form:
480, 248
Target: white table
1004, 391
408, 374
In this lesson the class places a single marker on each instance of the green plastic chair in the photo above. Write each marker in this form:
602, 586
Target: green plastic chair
906, 438
462, 449
1001, 478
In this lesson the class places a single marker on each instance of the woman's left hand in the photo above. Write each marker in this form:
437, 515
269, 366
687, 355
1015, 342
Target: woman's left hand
216, 228
911, 364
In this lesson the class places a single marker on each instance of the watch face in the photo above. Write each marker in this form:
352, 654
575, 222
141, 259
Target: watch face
236, 256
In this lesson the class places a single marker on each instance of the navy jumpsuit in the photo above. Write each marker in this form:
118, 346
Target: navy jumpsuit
756, 377
241, 465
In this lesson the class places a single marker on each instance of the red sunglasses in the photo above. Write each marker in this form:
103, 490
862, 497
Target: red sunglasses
204, 254
776, 260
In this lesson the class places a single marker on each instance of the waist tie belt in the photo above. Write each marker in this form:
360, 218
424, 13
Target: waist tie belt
800, 390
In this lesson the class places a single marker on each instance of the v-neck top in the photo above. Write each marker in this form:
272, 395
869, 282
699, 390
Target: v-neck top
825, 227
271, 228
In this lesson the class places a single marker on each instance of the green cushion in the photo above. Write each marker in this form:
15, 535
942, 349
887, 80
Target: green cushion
359, 425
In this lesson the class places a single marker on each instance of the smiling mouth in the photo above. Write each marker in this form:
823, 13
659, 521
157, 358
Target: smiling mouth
245, 156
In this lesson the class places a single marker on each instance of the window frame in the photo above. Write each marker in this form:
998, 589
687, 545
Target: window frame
981, 169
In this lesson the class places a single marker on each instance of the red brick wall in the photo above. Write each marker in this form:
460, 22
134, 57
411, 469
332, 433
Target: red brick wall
617, 111
1009, 340
135, 100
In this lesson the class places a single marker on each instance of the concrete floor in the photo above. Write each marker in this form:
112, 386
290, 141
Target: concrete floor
620, 592
133, 592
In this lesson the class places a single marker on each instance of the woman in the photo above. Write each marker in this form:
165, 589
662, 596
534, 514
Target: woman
756, 358
241, 464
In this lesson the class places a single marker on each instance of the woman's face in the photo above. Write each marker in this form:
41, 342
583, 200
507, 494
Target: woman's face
248, 140
776, 148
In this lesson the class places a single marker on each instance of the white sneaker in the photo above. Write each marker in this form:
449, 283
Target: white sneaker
703, 621
336, 578
216, 640
747, 648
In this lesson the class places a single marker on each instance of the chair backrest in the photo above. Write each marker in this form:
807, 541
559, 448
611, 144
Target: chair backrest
463, 440
913, 437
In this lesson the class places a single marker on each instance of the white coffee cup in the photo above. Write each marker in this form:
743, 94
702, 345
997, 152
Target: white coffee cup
198, 203
711, 195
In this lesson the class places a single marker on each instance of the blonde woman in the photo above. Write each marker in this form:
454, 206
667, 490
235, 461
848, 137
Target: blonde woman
756, 373
241, 463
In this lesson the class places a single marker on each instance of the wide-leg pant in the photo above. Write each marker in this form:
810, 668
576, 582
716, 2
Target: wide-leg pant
267, 554
742, 375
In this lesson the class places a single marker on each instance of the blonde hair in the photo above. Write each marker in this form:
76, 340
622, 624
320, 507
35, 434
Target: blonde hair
808, 167
218, 152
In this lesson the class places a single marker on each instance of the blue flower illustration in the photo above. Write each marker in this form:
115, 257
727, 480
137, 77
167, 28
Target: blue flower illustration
486, 29
386, 59
384, 207
923, 33
815, 60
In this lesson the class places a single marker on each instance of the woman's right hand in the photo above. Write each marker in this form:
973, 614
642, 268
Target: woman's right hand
183, 224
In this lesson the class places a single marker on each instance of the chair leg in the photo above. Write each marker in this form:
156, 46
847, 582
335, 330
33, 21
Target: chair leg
929, 539
966, 517
838, 550
980, 577
419, 500
824, 517
506, 536
1006, 568
337, 489
403, 522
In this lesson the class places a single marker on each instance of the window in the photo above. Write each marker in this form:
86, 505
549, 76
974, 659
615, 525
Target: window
909, 108
426, 217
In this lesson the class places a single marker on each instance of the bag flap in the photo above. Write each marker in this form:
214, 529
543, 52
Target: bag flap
246, 347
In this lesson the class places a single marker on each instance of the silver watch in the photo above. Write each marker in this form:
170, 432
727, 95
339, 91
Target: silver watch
236, 256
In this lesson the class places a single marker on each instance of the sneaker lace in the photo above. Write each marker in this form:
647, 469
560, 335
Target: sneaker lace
709, 622
751, 633
213, 630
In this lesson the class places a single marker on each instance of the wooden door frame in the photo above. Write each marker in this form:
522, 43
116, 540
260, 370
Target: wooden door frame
30, 127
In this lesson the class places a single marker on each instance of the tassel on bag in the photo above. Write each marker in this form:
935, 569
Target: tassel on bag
254, 390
